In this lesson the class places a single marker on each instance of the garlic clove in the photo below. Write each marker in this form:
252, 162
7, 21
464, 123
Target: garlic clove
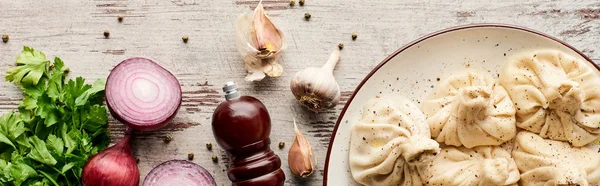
300, 158
268, 37
316, 88
259, 42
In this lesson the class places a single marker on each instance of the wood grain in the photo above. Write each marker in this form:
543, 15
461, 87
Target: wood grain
72, 29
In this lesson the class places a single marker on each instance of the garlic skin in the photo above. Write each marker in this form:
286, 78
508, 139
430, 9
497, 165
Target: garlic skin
260, 43
300, 157
316, 88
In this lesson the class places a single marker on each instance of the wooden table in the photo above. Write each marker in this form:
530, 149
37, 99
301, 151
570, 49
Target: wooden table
72, 29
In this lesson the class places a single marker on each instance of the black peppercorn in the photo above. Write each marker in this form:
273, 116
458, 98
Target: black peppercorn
215, 158
341, 46
106, 33
185, 39
190, 156
5, 38
209, 146
354, 36
307, 16
168, 139
281, 145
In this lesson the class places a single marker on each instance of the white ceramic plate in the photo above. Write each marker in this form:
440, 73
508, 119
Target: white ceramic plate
413, 70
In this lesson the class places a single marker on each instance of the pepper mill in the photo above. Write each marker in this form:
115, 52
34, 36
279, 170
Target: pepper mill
242, 125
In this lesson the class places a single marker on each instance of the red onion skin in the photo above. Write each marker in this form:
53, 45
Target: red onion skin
143, 127
114, 166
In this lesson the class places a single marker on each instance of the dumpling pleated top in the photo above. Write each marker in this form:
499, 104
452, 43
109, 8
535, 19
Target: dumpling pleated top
549, 162
470, 109
479, 166
388, 142
556, 96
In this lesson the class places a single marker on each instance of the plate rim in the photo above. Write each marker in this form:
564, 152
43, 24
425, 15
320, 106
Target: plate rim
421, 39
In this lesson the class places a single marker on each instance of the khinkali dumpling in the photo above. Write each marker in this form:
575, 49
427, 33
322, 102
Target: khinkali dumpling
483, 166
388, 141
549, 162
470, 109
556, 95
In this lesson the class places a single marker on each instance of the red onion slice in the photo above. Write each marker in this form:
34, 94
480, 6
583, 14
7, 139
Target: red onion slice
179, 172
142, 94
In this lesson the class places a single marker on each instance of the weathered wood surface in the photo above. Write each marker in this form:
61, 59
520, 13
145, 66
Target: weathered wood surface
72, 29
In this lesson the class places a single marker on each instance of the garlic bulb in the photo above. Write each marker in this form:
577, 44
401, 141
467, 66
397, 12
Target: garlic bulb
300, 158
259, 42
316, 88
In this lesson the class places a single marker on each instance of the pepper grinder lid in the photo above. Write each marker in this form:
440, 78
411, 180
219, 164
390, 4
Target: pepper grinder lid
230, 90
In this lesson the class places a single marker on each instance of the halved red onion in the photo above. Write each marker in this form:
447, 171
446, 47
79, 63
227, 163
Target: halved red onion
179, 172
142, 94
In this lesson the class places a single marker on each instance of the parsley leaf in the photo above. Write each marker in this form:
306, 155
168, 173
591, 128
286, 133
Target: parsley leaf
56, 80
55, 145
90, 93
21, 172
67, 167
31, 65
40, 152
69, 142
46, 109
4, 139
72, 90
11, 127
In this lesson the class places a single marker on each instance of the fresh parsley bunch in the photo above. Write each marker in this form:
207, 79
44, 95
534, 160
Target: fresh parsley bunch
59, 125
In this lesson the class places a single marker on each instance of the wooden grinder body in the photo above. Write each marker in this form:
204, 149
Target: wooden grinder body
242, 127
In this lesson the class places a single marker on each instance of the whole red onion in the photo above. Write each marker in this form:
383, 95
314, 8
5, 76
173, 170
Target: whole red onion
114, 166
